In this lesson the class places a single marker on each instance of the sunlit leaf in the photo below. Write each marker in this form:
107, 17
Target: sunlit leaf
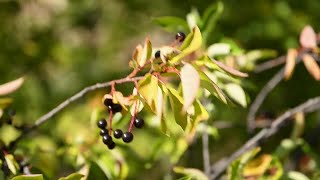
193, 18
194, 45
190, 81
192, 172
11, 86
159, 104
172, 24
255, 55
12, 163
295, 175
118, 98
176, 102
208, 84
230, 69
290, 63
236, 93
28, 177
146, 53
312, 66
308, 37
218, 49
5, 102
148, 89
200, 114
257, 166
73, 176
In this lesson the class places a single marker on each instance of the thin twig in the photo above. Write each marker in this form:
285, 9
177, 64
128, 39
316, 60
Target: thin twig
276, 79
68, 101
270, 64
205, 153
307, 107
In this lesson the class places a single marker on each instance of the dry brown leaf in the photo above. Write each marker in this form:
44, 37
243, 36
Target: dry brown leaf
290, 63
308, 37
230, 69
312, 66
11, 86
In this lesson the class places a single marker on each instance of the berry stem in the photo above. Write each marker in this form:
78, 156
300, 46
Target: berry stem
110, 122
135, 109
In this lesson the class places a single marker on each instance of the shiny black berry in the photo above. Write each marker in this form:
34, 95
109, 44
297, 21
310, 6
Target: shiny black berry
102, 123
108, 102
107, 139
115, 108
180, 36
127, 137
157, 54
117, 133
112, 145
103, 132
138, 122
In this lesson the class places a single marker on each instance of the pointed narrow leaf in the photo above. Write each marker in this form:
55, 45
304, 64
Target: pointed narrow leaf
230, 69
146, 53
176, 102
12, 163
192, 172
194, 45
208, 84
210, 18
190, 81
29, 177
290, 63
73, 176
236, 93
308, 37
11, 86
311, 66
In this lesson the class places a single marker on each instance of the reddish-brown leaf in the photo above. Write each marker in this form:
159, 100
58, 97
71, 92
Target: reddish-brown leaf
290, 63
312, 66
308, 37
230, 69
10, 87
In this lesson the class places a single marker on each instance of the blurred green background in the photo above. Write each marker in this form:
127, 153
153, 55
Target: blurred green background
62, 46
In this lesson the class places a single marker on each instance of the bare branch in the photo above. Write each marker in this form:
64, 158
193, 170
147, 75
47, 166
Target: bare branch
270, 64
205, 153
307, 107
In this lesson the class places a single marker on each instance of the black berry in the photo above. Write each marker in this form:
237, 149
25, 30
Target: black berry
127, 137
107, 139
112, 145
138, 122
117, 133
103, 132
115, 108
180, 36
108, 102
157, 54
102, 123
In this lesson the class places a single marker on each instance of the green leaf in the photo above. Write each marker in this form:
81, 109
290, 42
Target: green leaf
148, 89
172, 24
29, 177
194, 45
218, 49
12, 163
255, 55
236, 93
200, 114
146, 53
192, 172
190, 81
193, 18
294, 175
73, 176
176, 102
208, 84
210, 18
11, 86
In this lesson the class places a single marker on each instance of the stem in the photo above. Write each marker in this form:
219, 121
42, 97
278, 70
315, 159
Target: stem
135, 109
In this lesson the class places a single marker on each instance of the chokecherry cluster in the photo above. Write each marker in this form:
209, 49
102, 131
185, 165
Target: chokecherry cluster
107, 131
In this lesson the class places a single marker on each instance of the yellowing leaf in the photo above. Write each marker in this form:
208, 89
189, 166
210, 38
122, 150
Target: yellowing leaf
258, 166
12, 163
311, 66
159, 105
146, 53
208, 84
230, 69
290, 63
236, 93
176, 102
190, 81
148, 89
73, 176
29, 177
200, 114
308, 37
192, 172
5, 102
118, 98
194, 45
10, 87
